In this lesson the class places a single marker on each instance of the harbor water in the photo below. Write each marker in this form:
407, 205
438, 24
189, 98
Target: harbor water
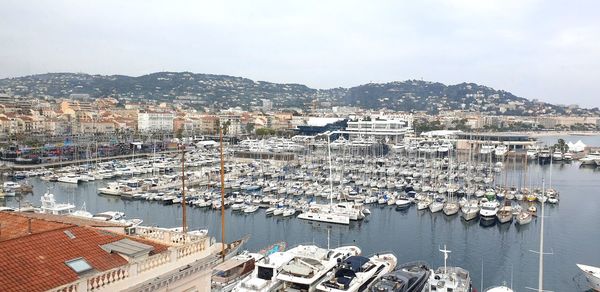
571, 229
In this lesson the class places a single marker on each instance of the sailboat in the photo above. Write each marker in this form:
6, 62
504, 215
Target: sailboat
331, 213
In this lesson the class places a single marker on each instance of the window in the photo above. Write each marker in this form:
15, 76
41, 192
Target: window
79, 265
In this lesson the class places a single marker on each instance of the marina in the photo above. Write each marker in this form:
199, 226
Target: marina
268, 199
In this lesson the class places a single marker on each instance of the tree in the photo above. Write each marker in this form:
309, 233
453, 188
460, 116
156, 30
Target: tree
249, 128
265, 131
561, 146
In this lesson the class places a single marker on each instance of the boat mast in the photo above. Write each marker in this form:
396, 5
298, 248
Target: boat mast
330, 170
184, 223
446, 252
222, 195
541, 267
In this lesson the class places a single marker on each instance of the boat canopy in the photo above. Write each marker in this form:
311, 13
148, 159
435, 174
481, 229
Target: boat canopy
355, 263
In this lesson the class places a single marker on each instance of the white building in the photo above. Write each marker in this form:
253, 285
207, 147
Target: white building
384, 130
155, 121
267, 105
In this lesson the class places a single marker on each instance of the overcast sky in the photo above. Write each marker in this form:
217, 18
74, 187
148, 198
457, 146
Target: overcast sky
548, 50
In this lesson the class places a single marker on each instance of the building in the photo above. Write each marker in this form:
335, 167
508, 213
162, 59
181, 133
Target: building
267, 105
474, 141
316, 125
155, 121
384, 130
63, 253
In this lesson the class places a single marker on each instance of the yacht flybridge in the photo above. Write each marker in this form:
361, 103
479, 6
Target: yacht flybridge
357, 273
310, 264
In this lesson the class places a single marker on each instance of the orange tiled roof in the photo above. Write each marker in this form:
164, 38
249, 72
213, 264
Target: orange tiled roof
73, 220
36, 262
13, 225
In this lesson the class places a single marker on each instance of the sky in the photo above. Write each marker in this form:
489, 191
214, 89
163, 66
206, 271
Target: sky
546, 50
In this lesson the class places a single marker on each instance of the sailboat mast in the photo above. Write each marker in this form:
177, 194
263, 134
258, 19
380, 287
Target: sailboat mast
541, 267
330, 170
222, 195
183, 205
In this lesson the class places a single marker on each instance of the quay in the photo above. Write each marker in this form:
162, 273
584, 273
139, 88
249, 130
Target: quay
17, 167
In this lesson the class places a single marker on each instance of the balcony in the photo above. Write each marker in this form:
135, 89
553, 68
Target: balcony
185, 250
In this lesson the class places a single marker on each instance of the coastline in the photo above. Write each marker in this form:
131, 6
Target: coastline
563, 133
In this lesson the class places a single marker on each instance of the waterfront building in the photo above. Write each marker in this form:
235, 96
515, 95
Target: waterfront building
317, 125
43, 252
155, 121
475, 141
387, 130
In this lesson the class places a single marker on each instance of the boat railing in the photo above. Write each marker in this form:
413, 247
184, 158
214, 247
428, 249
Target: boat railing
413, 264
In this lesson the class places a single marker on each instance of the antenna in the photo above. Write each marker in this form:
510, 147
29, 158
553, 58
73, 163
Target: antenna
446, 252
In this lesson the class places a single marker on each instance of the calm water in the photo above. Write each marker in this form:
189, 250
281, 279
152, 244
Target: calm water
571, 230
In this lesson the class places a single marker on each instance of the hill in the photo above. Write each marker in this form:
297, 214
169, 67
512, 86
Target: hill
222, 91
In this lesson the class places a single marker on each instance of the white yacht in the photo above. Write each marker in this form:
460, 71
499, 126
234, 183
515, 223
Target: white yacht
436, 206
557, 156
488, 210
324, 215
49, 205
469, 211
499, 289
10, 186
486, 149
310, 265
500, 151
590, 159
113, 188
357, 273
69, 178
109, 216
532, 153
264, 276
446, 278
592, 274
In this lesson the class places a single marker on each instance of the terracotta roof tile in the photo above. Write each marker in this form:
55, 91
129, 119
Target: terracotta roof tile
36, 262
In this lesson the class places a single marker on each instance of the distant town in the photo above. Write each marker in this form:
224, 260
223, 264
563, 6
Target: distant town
69, 108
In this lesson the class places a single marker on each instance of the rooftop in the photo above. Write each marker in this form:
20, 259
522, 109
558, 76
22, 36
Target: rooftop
36, 252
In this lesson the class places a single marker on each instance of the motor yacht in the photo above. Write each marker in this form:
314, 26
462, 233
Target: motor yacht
310, 265
590, 159
488, 210
500, 151
264, 276
69, 178
228, 273
446, 278
409, 277
357, 273
50, 206
557, 156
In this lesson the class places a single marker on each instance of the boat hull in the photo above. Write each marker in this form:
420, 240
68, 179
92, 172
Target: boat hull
322, 217
592, 275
